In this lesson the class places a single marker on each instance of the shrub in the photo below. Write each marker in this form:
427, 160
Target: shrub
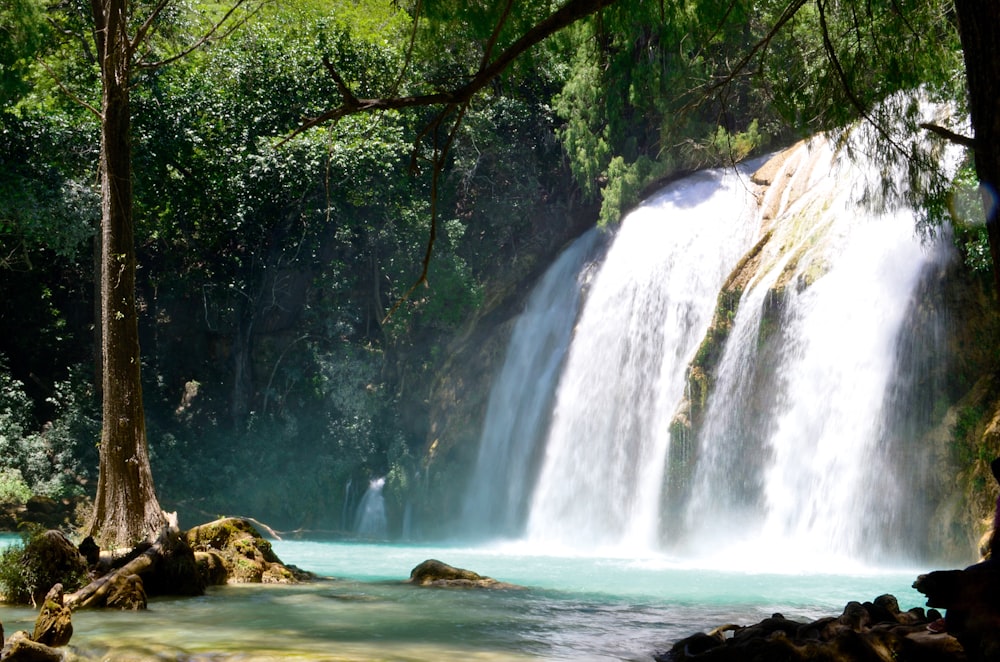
13, 489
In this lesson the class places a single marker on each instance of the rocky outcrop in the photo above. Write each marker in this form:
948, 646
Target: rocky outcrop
20, 648
873, 632
435, 573
230, 550
45, 512
972, 600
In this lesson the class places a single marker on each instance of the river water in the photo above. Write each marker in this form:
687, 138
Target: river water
572, 608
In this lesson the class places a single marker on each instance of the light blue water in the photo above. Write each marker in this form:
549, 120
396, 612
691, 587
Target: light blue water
572, 608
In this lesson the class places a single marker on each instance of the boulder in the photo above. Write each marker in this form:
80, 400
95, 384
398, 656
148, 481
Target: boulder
54, 625
864, 632
435, 573
244, 555
972, 600
50, 559
211, 567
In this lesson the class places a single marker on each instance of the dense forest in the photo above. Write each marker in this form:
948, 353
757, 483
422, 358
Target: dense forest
320, 301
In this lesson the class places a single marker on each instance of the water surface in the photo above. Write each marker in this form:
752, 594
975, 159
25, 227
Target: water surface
572, 608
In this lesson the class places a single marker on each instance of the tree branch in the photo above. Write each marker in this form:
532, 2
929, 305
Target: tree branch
845, 83
140, 34
786, 15
68, 92
949, 135
568, 14
488, 51
208, 36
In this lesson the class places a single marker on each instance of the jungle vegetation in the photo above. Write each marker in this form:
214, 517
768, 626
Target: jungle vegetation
304, 256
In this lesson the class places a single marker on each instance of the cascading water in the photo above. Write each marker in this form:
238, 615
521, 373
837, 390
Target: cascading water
795, 434
807, 441
371, 521
521, 399
645, 316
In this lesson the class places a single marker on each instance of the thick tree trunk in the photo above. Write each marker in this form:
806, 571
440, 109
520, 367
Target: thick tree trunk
126, 510
979, 29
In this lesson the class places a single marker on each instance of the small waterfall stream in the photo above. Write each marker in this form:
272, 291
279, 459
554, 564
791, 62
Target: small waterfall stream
800, 445
371, 521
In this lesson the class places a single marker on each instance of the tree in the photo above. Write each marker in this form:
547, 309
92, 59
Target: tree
126, 509
979, 29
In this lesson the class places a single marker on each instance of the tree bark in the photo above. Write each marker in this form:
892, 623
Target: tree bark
979, 30
126, 510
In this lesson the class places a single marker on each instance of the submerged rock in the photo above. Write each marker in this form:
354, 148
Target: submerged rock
230, 550
435, 573
874, 631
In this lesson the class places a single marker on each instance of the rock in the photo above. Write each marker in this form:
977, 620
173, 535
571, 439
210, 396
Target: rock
126, 593
54, 625
972, 600
245, 555
50, 513
20, 648
90, 551
435, 573
211, 567
50, 559
870, 632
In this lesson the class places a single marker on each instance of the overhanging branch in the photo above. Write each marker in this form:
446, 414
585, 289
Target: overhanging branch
351, 105
949, 135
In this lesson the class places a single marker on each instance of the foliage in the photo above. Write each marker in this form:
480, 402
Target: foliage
22, 32
54, 460
960, 205
13, 489
42, 201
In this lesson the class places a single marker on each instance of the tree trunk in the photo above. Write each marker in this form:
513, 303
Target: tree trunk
979, 29
126, 510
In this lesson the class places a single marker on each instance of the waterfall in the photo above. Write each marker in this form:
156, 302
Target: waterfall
798, 439
520, 400
646, 314
370, 521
